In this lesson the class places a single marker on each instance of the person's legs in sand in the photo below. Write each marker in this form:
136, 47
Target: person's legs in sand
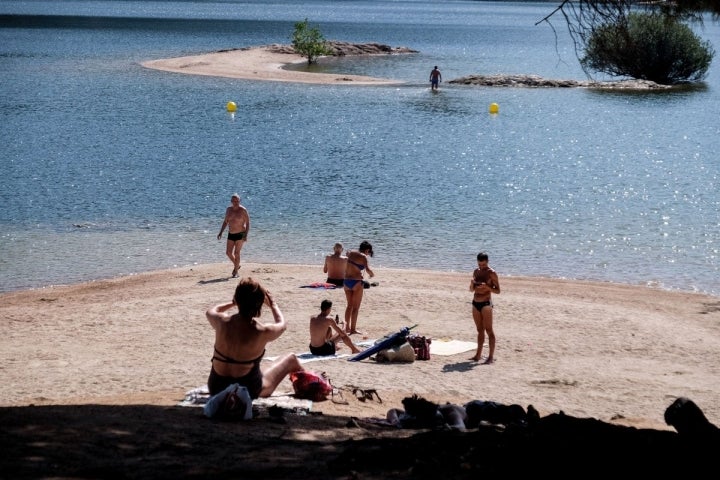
484, 323
354, 297
275, 373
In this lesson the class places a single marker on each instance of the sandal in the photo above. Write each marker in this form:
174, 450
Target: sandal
363, 395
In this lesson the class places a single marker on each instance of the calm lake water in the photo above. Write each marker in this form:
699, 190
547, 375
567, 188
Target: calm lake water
110, 169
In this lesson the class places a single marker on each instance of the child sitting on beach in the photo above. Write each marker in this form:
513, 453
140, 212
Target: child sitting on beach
323, 341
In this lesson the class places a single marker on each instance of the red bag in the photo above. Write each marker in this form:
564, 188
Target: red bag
311, 386
421, 345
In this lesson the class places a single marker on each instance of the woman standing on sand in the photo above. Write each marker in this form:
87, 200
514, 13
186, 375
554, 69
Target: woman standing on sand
240, 342
483, 284
357, 261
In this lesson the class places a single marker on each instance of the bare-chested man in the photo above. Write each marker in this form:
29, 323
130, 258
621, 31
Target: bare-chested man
435, 78
323, 341
335, 266
237, 221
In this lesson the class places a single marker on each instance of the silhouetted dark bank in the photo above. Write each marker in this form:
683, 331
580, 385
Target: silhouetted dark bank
142, 441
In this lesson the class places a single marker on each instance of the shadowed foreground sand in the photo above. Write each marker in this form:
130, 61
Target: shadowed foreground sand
92, 373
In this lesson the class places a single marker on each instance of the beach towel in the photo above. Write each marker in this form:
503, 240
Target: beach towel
451, 347
320, 286
198, 397
307, 357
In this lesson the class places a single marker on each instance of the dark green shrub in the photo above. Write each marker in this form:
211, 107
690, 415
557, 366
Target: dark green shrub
648, 46
309, 42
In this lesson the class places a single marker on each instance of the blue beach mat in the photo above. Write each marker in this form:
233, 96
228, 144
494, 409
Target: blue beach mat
389, 341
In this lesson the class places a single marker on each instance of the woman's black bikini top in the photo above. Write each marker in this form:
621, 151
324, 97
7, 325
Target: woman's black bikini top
225, 359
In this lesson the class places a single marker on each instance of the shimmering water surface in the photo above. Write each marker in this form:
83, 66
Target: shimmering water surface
109, 168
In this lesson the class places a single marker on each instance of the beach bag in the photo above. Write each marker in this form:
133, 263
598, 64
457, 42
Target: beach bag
310, 385
233, 403
400, 354
421, 345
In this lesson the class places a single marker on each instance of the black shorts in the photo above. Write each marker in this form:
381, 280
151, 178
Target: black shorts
234, 237
327, 349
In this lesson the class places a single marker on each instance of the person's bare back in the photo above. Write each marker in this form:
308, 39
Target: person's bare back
321, 329
334, 265
324, 329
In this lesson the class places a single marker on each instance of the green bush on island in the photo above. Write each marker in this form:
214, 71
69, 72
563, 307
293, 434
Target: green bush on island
309, 42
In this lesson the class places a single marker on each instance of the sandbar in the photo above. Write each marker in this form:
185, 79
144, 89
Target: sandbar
257, 63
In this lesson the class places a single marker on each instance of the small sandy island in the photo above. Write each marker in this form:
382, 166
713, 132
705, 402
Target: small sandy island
269, 62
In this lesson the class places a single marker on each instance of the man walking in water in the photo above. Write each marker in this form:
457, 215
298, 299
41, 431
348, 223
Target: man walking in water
237, 221
435, 78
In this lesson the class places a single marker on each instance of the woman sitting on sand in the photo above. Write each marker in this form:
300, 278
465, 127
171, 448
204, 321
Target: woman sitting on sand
240, 342
357, 261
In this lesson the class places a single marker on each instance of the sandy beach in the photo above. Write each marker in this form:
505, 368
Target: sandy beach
596, 350
257, 63
616, 353
93, 374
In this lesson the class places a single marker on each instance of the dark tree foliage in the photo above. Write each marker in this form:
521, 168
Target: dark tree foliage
691, 9
584, 17
648, 46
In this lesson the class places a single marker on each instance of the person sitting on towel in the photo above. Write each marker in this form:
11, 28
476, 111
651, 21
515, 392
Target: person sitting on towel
241, 339
325, 332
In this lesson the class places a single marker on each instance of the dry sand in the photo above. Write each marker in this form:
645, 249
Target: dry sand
257, 63
92, 375
589, 349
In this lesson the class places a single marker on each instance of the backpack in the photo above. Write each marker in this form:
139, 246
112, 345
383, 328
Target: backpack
421, 345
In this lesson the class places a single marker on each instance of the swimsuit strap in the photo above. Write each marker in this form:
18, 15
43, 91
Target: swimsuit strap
226, 359
360, 266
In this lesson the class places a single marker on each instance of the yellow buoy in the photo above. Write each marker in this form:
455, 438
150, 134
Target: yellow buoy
494, 108
231, 107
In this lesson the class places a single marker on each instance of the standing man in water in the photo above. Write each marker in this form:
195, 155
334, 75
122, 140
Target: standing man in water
435, 78
237, 221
